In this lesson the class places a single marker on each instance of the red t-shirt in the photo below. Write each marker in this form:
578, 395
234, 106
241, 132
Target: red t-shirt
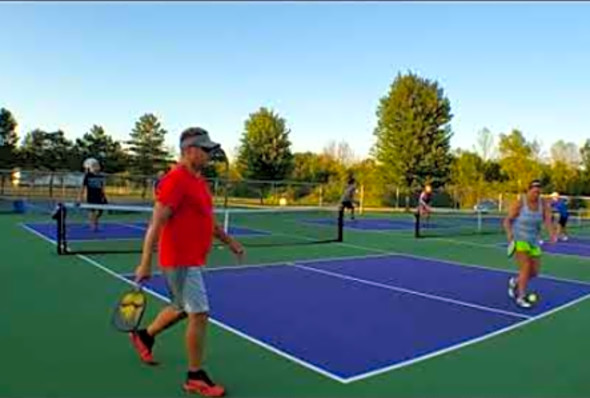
187, 236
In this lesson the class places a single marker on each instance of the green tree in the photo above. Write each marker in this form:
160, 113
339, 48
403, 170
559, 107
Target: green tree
48, 151
585, 156
218, 166
306, 167
519, 160
468, 177
413, 132
584, 183
313, 167
147, 150
265, 150
99, 145
8, 139
565, 164
375, 192
493, 171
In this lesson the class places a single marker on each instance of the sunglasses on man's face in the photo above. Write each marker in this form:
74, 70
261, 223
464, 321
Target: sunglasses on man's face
204, 149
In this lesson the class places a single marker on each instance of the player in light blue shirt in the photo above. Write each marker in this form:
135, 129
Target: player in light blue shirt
559, 206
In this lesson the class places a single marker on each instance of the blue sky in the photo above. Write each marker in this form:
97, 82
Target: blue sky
322, 66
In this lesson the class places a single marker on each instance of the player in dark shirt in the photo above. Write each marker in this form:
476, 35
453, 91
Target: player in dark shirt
93, 183
347, 200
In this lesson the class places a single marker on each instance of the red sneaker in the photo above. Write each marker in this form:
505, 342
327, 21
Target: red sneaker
203, 386
145, 352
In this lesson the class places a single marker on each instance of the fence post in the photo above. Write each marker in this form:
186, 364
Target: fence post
362, 199
321, 195
215, 188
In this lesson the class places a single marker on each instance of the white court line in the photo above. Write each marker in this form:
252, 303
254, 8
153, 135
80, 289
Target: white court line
290, 262
413, 292
465, 343
377, 371
129, 226
39, 234
569, 244
498, 245
452, 262
286, 263
220, 324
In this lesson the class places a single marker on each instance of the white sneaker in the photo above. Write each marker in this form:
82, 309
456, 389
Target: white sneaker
522, 302
512, 285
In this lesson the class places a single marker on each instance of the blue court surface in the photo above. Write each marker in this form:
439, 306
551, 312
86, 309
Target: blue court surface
114, 231
356, 317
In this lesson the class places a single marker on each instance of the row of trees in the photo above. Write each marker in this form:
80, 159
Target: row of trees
511, 164
412, 148
144, 153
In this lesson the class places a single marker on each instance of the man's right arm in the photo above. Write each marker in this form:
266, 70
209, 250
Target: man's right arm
169, 197
160, 215
509, 220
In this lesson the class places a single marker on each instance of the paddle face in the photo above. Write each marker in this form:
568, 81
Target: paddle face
129, 310
511, 249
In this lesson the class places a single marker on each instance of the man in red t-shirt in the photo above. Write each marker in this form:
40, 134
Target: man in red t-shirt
184, 221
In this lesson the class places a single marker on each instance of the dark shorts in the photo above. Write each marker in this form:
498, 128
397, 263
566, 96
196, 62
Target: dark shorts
347, 204
96, 200
563, 220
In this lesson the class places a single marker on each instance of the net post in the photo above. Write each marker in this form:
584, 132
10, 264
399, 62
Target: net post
340, 234
417, 224
59, 217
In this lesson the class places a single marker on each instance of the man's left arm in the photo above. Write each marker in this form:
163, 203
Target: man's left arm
233, 244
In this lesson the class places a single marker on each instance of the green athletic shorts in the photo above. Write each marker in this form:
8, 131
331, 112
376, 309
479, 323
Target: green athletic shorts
527, 248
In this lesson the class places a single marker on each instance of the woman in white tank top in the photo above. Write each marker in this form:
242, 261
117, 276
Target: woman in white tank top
523, 227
